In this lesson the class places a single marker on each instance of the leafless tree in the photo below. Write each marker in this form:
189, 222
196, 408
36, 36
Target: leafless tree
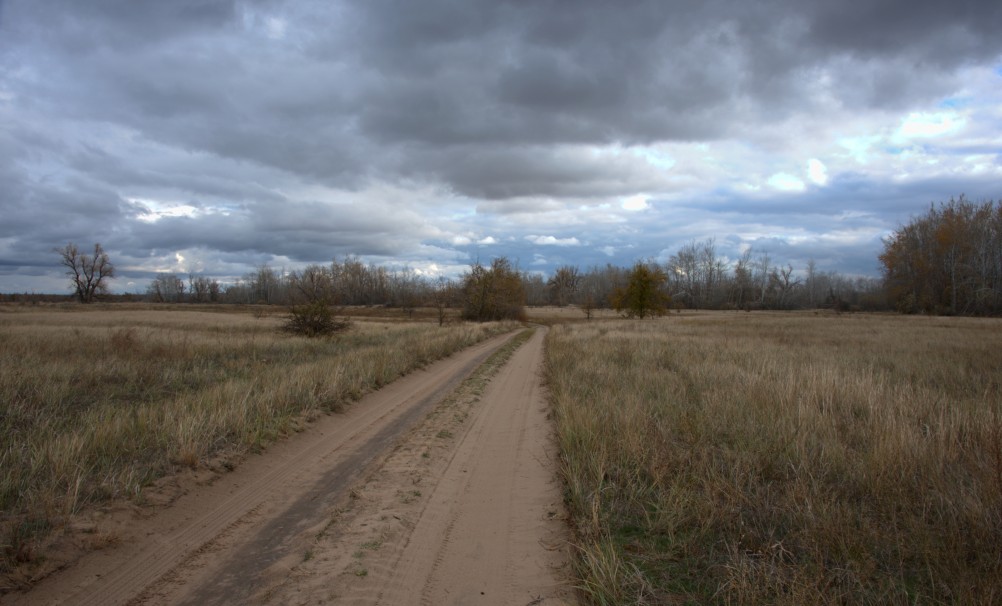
784, 284
564, 284
200, 288
445, 295
88, 273
166, 288
313, 283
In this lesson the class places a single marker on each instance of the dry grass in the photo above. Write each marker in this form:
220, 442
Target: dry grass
783, 459
94, 404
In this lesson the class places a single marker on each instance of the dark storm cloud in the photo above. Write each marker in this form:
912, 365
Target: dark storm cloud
927, 32
853, 194
298, 231
640, 71
242, 110
439, 73
503, 172
82, 27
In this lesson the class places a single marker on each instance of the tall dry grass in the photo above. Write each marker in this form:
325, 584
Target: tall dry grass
783, 459
96, 404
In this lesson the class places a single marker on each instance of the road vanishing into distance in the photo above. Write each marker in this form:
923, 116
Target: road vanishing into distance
430, 491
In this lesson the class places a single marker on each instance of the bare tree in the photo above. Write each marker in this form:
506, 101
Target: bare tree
812, 283
313, 283
166, 288
761, 267
445, 295
743, 280
88, 274
200, 288
695, 274
564, 284
782, 281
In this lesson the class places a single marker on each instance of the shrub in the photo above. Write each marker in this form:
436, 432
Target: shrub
316, 319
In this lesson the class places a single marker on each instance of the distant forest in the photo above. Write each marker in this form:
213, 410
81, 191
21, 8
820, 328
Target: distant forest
947, 261
697, 279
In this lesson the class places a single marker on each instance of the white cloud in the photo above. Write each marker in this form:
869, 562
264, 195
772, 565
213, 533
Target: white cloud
817, 172
635, 202
925, 125
655, 155
154, 210
552, 241
859, 148
786, 182
487, 240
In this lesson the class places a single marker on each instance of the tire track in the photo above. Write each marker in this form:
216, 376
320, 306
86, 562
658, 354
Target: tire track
197, 549
488, 527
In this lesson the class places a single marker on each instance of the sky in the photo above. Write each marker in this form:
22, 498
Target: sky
214, 136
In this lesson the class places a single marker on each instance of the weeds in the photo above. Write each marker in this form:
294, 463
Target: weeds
783, 459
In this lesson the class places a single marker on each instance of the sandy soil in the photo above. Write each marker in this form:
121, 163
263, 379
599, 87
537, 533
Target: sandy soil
412, 496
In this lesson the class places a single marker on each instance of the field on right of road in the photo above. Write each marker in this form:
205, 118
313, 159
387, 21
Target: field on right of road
783, 458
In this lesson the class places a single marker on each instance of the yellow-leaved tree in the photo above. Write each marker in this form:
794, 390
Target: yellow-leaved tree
493, 293
643, 294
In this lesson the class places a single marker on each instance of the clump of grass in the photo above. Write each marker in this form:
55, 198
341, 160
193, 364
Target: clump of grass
783, 459
97, 404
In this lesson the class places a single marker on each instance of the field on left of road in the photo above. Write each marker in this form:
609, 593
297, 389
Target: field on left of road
97, 403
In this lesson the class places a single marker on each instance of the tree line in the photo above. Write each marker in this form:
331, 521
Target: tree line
694, 278
946, 261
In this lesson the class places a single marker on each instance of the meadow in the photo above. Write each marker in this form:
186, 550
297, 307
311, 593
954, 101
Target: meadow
782, 458
97, 402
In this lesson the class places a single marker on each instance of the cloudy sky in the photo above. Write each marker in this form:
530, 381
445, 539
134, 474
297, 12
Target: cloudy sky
212, 136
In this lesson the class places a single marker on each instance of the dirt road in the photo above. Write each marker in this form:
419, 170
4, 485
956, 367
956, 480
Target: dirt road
413, 496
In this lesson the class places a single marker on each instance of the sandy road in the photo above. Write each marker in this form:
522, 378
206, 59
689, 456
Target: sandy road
383, 504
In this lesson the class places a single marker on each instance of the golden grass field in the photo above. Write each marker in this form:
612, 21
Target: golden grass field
773, 458
752, 458
96, 402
